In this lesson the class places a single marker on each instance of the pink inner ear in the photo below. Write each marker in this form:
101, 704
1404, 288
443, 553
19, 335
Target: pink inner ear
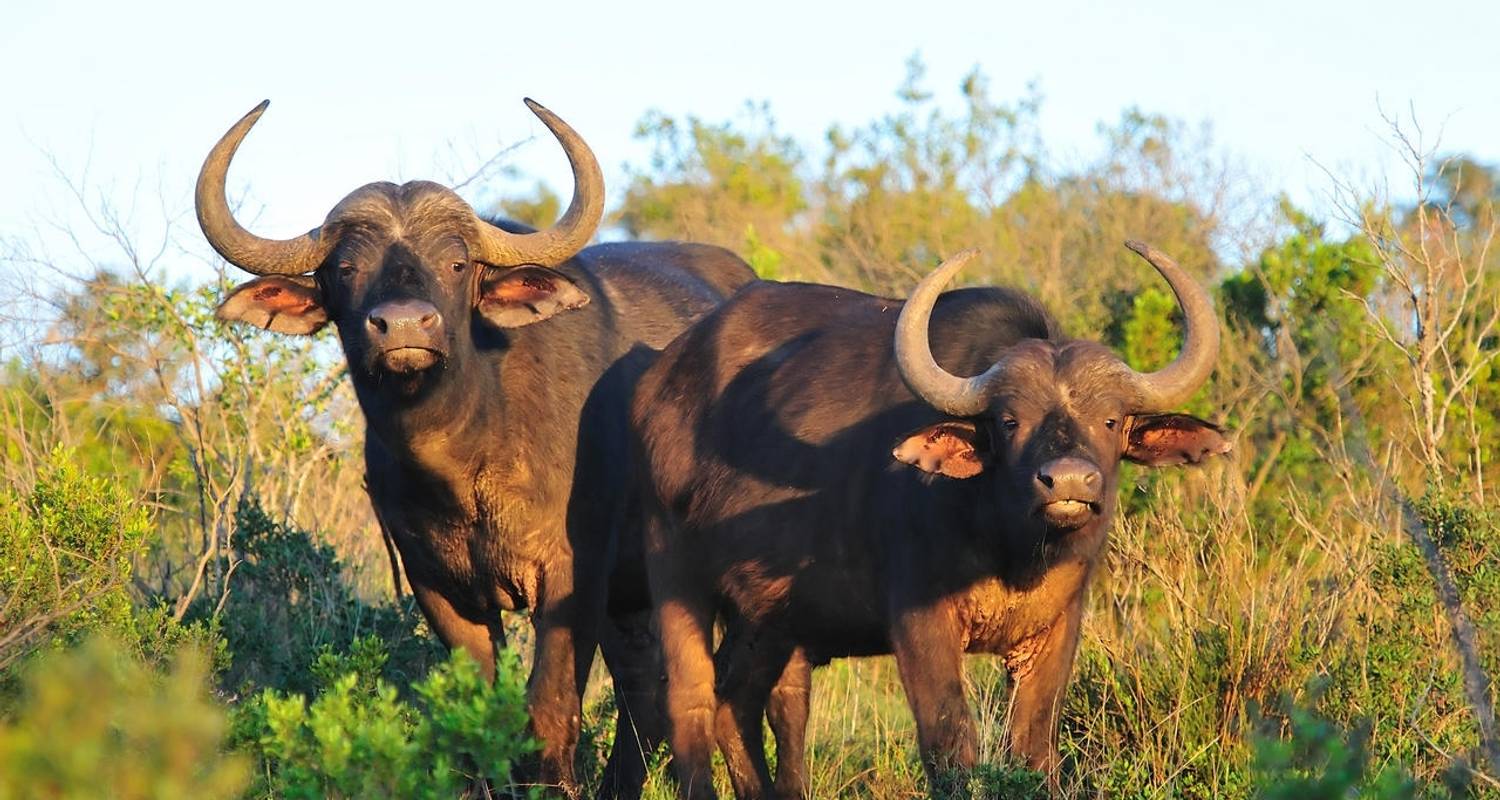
276, 299
1177, 440
533, 281
523, 286
942, 449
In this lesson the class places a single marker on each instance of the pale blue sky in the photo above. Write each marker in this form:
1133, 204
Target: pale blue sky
137, 92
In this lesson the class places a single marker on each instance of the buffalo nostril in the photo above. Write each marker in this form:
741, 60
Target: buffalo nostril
397, 317
1070, 478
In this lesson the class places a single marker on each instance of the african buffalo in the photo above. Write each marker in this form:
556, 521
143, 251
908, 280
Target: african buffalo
777, 502
495, 448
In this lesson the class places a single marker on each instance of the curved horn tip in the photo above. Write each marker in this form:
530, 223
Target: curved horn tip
962, 256
238, 246
950, 266
1177, 381
543, 113
254, 113
578, 223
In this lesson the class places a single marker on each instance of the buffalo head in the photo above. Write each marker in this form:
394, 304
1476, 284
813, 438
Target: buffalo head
1050, 421
407, 273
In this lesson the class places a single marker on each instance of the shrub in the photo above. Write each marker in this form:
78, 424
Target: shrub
358, 738
66, 548
1307, 757
97, 721
289, 607
990, 781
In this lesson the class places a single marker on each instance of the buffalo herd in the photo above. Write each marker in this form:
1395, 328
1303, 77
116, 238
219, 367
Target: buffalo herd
719, 482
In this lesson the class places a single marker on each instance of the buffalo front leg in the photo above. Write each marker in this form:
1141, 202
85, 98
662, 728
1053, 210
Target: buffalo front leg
787, 714
929, 656
633, 656
1040, 668
746, 666
479, 639
686, 637
566, 629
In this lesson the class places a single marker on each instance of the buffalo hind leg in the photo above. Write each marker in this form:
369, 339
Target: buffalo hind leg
634, 659
758, 679
683, 609
929, 656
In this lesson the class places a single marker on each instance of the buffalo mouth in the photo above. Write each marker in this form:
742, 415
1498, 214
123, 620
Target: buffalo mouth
407, 360
1068, 514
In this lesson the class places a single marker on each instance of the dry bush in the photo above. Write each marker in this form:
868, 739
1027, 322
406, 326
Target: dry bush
191, 415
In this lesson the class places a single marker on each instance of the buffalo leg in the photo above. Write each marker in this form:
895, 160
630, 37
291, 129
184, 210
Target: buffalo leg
746, 667
758, 678
565, 624
686, 643
684, 615
929, 656
787, 714
1040, 685
634, 659
478, 638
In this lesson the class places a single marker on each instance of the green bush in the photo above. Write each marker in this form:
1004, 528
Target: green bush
1306, 757
358, 738
98, 721
991, 782
290, 607
67, 544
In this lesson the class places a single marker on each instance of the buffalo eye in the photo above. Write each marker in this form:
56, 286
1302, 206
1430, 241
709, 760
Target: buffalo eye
1009, 424
1110, 423
458, 266
346, 267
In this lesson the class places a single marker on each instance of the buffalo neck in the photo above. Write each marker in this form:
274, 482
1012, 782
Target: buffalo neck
1017, 547
511, 400
459, 403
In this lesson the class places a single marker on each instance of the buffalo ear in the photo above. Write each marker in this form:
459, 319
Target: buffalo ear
280, 303
520, 296
1165, 440
954, 448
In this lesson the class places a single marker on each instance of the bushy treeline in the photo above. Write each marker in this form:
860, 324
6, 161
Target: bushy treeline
1277, 625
